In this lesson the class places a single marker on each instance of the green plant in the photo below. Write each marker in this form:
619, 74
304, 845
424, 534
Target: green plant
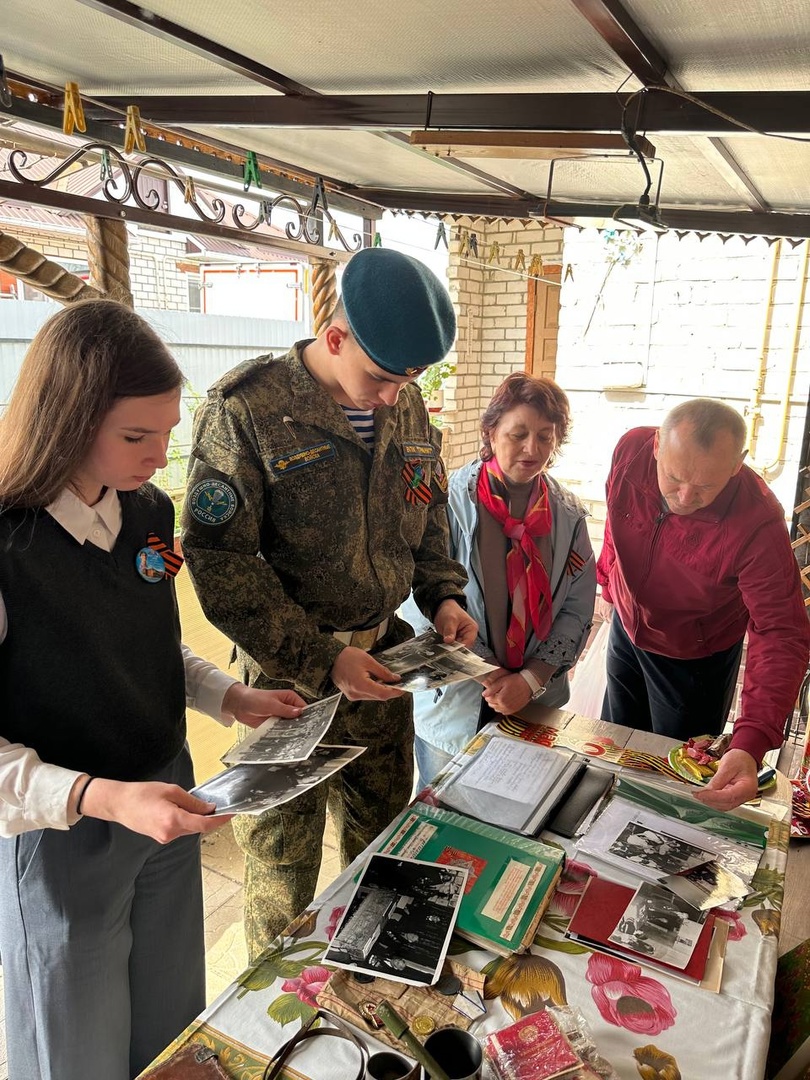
433, 378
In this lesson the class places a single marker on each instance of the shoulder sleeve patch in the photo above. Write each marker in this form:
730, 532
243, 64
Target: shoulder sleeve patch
212, 502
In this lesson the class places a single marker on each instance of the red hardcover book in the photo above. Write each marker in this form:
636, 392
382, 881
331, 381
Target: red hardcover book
598, 914
532, 1049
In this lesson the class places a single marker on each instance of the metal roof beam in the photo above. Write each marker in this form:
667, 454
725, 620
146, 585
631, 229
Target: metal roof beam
778, 111
629, 42
743, 222
625, 37
107, 130
139, 17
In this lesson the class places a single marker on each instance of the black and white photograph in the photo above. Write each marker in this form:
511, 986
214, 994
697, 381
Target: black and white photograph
706, 887
399, 920
657, 850
411, 654
660, 925
252, 789
426, 663
279, 740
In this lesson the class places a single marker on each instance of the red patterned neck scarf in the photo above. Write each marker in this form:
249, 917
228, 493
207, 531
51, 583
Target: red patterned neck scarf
526, 577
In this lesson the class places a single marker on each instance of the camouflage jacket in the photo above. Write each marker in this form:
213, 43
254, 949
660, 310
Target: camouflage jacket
291, 528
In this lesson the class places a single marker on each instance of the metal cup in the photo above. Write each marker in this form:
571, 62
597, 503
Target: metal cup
387, 1065
458, 1052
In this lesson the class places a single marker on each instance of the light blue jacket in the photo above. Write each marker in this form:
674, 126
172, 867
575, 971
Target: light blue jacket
450, 720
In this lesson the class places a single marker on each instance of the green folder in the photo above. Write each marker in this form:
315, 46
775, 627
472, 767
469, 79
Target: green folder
511, 877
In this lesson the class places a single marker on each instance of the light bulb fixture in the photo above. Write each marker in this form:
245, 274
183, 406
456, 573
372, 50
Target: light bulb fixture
643, 215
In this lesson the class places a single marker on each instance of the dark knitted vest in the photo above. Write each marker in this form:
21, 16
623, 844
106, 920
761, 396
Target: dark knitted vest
91, 672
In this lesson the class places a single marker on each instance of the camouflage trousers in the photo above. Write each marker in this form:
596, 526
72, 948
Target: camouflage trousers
283, 846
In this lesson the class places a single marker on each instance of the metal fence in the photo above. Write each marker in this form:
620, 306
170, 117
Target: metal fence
205, 346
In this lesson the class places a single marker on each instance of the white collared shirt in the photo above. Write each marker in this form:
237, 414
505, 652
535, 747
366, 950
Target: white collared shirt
34, 794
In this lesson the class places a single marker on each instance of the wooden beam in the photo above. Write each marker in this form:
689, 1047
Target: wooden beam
777, 111
523, 145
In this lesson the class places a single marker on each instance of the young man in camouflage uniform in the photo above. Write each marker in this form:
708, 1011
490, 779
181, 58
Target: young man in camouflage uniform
303, 537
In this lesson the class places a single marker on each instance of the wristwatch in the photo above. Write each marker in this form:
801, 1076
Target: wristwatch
536, 687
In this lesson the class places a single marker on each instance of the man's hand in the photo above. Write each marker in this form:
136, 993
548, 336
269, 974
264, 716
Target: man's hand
506, 691
252, 707
602, 609
734, 783
162, 811
362, 678
454, 624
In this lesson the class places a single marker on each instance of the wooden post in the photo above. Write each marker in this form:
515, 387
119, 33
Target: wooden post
324, 293
108, 258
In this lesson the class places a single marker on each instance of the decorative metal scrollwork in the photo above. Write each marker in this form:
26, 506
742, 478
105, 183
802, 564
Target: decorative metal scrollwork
149, 199
122, 180
18, 159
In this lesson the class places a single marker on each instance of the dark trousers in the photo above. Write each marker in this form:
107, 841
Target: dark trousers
676, 698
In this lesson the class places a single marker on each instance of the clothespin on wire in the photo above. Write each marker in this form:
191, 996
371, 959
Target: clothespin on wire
133, 136
5, 92
377, 240
464, 240
472, 244
494, 252
520, 260
441, 236
569, 272
536, 266
73, 114
106, 166
189, 193
266, 209
251, 174
334, 232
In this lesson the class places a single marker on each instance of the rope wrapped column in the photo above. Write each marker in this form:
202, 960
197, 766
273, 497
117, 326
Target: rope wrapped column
48, 277
108, 258
324, 293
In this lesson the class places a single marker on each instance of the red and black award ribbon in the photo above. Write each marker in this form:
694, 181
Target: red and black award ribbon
171, 559
416, 489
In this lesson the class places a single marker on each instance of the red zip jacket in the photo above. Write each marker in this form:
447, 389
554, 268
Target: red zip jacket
692, 585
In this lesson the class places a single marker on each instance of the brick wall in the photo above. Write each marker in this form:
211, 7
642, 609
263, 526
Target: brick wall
672, 318
490, 299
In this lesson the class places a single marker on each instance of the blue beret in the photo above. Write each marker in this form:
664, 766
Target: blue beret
397, 309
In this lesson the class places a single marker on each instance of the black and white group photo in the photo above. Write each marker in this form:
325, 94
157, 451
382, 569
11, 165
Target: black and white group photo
657, 850
399, 920
252, 789
660, 925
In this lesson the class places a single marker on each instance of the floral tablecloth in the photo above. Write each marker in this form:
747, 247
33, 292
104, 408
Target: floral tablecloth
645, 1023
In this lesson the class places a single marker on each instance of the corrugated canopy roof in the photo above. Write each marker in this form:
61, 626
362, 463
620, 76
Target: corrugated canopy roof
337, 91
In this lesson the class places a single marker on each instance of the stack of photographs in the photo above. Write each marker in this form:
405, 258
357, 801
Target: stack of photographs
278, 761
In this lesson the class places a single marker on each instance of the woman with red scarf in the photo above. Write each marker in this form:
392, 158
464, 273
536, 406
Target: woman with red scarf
532, 581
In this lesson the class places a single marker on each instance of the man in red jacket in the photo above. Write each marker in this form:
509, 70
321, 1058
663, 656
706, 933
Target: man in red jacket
696, 554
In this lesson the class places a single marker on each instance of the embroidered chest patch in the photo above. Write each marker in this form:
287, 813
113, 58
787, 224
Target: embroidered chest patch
303, 456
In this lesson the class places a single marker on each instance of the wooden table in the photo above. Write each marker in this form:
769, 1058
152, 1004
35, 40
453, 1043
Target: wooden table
638, 1016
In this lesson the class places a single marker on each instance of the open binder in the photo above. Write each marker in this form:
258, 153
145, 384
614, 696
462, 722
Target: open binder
513, 784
